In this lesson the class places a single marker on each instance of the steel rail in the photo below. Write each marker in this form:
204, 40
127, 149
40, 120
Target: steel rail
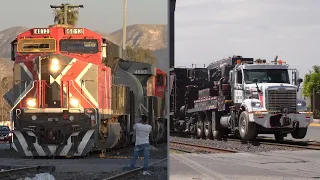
22, 170
202, 147
290, 144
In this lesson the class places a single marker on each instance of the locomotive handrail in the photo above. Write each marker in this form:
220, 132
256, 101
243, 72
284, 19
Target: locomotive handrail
96, 114
23, 95
11, 119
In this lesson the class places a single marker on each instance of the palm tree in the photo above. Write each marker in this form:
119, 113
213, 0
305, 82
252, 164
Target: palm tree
72, 16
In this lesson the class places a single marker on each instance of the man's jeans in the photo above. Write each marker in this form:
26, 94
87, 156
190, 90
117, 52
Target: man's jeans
137, 149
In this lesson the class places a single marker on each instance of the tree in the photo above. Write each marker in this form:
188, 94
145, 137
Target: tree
140, 55
312, 81
72, 15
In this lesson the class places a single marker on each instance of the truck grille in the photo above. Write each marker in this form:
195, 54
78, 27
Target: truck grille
279, 99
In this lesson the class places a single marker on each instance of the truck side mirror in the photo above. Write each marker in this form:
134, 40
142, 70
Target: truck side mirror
299, 82
256, 80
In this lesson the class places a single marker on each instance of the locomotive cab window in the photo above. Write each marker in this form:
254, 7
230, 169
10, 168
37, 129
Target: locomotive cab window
34, 45
80, 46
14, 49
159, 80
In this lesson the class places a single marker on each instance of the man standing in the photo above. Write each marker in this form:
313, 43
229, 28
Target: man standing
143, 130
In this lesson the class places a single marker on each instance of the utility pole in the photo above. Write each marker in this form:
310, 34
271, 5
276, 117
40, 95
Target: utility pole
65, 8
172, 8
124, 29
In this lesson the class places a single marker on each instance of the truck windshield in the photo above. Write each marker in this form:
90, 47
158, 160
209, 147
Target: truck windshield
266, 76
80, 46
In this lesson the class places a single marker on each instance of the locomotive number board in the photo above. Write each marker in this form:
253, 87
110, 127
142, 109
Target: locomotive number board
40, 31
74, 31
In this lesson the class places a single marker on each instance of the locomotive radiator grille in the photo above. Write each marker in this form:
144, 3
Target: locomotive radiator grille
279, 99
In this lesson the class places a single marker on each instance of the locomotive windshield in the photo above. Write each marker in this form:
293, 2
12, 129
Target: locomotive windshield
266, 76
31, 45
81, 46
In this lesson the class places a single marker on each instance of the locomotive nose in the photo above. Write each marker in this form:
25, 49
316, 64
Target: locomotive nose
51, 64
50, 69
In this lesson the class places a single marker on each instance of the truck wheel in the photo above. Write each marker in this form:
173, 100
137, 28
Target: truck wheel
200, 126
208, 127
299, 133
216, 127
279, 137
247, 129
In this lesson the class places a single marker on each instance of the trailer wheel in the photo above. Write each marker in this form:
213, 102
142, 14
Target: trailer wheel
278, 137
299, 133
208, 126
247, 129
200, 125
216, 127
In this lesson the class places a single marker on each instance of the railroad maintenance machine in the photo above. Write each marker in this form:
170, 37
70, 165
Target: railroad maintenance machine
239, 96
75, 93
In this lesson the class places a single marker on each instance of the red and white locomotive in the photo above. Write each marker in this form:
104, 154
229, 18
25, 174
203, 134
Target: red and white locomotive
68, 97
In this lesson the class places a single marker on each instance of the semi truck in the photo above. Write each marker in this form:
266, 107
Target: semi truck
240, 96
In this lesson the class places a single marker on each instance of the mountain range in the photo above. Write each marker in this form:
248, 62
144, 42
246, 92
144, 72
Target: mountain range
146, 36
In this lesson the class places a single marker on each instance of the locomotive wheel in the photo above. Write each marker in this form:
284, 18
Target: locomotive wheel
247, 129
208, 126
200, 126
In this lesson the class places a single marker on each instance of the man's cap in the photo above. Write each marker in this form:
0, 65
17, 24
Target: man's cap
144, 116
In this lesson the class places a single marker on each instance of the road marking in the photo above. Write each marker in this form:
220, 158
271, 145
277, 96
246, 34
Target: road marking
315, 124
207, 173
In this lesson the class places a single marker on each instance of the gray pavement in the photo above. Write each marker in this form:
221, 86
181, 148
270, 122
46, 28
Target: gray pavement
243, 166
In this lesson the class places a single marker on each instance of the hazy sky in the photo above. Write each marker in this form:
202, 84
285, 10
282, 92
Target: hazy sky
209, 30
102, 15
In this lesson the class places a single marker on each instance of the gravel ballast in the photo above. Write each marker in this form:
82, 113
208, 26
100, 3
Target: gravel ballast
233, 145
157, 152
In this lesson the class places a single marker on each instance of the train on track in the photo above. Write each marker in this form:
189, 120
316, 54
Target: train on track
239, 96
74, 93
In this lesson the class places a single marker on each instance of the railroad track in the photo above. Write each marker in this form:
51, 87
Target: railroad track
22, 171
285, 143
181, 145
132, 173
291, 144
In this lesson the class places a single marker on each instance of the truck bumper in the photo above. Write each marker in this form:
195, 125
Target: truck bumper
279, 120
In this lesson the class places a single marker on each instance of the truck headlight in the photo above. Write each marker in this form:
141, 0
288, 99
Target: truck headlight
256, 104
31, 102
55, 65
74, 102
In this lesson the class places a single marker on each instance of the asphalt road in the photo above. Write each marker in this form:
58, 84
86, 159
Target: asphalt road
284, 165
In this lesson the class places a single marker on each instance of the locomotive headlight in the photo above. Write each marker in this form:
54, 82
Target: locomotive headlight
74, 102
55, 65
31, 103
